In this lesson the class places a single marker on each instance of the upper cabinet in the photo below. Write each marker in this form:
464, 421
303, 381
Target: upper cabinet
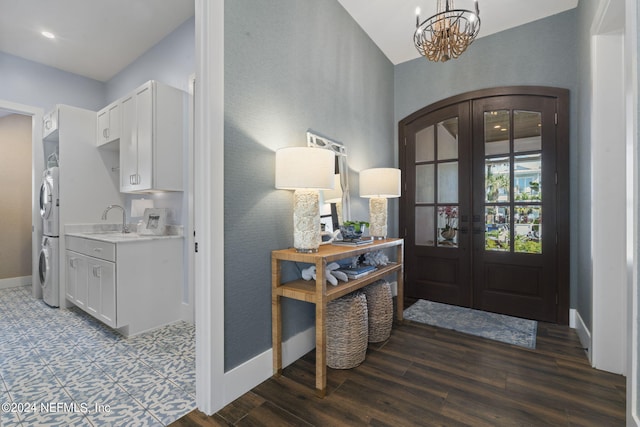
50, 125
108, 128
152, 137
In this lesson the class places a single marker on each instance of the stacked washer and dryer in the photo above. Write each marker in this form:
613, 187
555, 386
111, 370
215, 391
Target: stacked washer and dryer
49, 260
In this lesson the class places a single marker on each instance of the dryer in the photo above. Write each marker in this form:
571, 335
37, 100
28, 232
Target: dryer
48, 270
50, 202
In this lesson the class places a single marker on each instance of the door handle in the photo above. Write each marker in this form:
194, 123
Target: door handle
96, 271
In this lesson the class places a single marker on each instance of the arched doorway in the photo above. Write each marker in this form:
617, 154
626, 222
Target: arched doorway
485, 207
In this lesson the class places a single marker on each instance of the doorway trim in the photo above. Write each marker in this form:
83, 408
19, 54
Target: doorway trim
209, 205
561, 97
37, 166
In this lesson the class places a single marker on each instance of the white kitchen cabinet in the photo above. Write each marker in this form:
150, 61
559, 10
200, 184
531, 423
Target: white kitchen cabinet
152, 140
132, 284
101, 297
91, 278
108, 129
50, 125
76, 289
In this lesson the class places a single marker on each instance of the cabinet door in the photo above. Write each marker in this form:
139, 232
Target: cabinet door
102, 291
103, 127
76, 279
72, 276
114, 122
144, 118
50, 123
128, 146
108, 128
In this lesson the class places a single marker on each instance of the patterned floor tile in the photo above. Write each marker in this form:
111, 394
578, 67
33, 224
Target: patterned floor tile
66, 357
166, 401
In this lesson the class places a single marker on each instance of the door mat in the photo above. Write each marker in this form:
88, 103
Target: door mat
498, 327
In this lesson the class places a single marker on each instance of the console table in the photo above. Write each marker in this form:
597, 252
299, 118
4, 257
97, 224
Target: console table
318, 292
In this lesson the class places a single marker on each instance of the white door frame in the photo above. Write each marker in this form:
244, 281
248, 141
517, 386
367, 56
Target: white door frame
633, 205
209, 206
37, 166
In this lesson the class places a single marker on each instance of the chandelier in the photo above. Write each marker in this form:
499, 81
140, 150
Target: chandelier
448, 33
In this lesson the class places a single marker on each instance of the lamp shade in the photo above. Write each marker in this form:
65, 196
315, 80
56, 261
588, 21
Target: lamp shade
305, 168
335, 195
380, 183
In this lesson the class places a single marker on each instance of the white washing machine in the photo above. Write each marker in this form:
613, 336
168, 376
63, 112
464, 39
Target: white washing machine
48, 271
50, 202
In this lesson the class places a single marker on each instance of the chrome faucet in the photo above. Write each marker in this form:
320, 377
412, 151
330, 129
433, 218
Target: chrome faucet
125, 229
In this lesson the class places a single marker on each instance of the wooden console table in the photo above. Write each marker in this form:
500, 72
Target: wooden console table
320, 293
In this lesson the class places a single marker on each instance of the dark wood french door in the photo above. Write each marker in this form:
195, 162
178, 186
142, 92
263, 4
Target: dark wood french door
485, 206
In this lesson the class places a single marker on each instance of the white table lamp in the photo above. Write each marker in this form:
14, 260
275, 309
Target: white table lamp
378, 185
305, 170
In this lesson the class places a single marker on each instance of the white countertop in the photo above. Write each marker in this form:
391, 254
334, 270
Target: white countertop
112, 233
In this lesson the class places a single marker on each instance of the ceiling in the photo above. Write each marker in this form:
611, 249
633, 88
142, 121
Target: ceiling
391, 23
94, 38
99, 38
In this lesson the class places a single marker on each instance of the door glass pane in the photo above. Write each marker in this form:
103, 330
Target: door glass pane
496, 219
527, 135
448, 139
527, 180
528, 229
448, 182
424, 184
425, 146
497, 177
448, 226
425, 229
496, 132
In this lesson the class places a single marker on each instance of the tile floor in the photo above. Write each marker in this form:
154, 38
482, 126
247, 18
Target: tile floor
65, 368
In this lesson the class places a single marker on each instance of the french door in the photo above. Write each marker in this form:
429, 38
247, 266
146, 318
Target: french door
484, 213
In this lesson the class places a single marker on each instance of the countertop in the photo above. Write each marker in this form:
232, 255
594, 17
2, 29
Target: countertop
112, 233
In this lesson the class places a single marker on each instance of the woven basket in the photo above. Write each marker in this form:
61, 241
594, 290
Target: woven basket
380, 309
347, 331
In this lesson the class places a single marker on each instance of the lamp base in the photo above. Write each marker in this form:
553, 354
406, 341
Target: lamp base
306, 251
378, 237
378, 217
306, 221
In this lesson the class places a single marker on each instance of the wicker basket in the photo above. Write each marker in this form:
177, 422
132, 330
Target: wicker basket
347, 331
380, 309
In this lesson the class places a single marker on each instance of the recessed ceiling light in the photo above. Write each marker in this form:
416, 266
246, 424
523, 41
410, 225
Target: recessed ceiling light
503, 129
496, 127
48, 35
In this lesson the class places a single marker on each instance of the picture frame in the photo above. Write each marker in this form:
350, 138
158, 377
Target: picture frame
154, 222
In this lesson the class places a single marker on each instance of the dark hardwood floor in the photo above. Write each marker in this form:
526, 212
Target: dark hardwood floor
427, 376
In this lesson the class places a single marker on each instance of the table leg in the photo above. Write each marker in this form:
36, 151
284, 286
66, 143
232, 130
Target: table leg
276, 319
321, 330
400, 297
321, 352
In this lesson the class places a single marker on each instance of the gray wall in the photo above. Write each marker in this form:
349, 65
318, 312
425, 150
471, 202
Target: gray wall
290, 66
541, 53
37, 85
171, 61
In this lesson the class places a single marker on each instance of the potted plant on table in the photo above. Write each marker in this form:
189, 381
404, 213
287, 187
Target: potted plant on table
353, 229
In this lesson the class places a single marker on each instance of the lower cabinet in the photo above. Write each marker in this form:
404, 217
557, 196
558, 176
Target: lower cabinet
91, 285
132, 286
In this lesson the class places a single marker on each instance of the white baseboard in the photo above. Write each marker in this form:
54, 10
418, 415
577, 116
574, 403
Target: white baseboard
14, 282
243, 378
576, 322
187, 314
